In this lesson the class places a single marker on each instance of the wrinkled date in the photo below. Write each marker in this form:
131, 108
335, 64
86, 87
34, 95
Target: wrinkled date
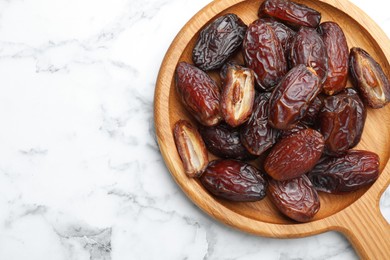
224, 141
341, 121
199, 93
337, 50
308, 48
238, 94
234, 180
291, 131
257, 135
296, 198
294, 155
191, 148
311, 115
293, 14
263, 53
369, 78
282, 32
350, 172
292, 97
218, 41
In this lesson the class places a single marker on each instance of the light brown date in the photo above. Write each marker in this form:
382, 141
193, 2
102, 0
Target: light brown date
238, 94
369, 78
191, 148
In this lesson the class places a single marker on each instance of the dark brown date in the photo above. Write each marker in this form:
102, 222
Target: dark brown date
224, 141
293, 14
337, 50
291, 131
341, 121
350, 172
308, 48
292, 97
282, 32
218, 41
263, 53
191, 148
199, 93
311, 115
256, 134
294, 155
296, 198
234, 180
238, 94
369, 78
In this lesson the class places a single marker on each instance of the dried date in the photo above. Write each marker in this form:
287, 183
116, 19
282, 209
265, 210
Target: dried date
369, 78
350, 172
291, 131
224, 141
294, 155
238, 94
263, 53
308, 48
296, 198
218, 41
292, 97
282, 32
234, 180
291, 13
191, 148
311, 115
341, 121
256, 134
199, 93
337, 51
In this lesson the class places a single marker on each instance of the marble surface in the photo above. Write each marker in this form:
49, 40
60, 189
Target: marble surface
81, 176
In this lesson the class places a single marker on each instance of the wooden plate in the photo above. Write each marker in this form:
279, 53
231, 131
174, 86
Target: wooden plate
357, 214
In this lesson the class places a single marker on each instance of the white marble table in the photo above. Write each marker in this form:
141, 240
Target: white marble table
81, 176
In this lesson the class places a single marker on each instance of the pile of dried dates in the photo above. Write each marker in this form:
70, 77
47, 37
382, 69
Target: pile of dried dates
282, 105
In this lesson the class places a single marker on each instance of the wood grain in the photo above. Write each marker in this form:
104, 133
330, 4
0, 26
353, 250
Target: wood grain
357, 214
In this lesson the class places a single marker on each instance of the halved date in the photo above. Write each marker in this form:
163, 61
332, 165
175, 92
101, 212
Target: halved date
224, 141
308, 48
341, 121
294, 155
191, 148
291, 13
199, 93
369, 78
263, 53
218, 41
238, 94
292, 97
234, 180
256, 134
296, 198
337, 50
349, 172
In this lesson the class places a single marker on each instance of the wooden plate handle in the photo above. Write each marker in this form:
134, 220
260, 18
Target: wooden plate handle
369, 233
363, 223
